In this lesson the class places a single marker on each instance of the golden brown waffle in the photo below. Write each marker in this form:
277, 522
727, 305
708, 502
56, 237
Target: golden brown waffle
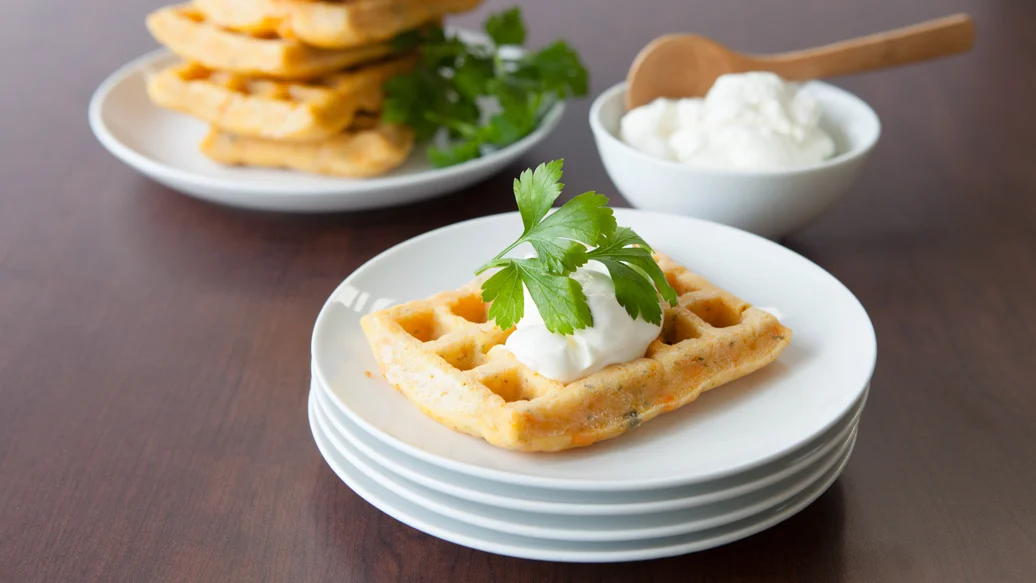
443, 355
329, 24
351, 154
279, 110
186, 32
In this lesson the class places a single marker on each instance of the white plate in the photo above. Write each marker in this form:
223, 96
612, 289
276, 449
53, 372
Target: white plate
579, 503
585, 528
163, 145
554, 550
742, 425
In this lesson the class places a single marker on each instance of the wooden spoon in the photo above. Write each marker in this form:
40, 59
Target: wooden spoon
686, 65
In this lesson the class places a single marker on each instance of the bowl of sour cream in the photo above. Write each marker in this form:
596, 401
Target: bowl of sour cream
757, 153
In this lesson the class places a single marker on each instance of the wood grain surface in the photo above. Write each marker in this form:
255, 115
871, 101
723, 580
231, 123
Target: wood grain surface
154, 349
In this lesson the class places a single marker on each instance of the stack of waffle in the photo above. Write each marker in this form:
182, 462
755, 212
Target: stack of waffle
291, 83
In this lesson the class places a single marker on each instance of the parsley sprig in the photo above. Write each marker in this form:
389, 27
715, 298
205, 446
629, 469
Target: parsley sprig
444, 90
583, 229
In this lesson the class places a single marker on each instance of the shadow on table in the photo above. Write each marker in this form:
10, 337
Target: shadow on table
807, 547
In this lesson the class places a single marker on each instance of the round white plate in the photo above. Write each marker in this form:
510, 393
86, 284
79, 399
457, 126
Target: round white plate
513, 545
573, 502
585, 528
732, 429
163, 145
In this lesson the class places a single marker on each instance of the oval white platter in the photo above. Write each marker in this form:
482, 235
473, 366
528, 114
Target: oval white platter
731, 429
163, 145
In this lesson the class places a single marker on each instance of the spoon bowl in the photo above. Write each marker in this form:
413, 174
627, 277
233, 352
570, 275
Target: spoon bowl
701, 61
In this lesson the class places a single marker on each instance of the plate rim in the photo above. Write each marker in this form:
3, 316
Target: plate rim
341, 186
602, 556
569, 484
586, 508
802, 479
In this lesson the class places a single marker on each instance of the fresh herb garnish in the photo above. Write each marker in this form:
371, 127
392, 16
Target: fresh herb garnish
583, 229
443, 90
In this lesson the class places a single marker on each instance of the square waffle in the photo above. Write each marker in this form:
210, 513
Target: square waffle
450, 362
278, 110
186, 32
355, 153
329, 24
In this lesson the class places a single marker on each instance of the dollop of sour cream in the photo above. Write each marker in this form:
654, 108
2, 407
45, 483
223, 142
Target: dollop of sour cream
747, 121
614, 338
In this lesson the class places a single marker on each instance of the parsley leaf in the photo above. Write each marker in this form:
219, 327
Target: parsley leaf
506, 28
630, 292
559, 257
557, 237
617, 247
583, 229
504, 289
536, 190
559, 298
407, 93
472, 76
518, 117
443, 92
585, 219
456, 154
556, 69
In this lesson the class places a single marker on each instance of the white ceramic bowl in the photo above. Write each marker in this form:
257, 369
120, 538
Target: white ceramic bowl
773, 203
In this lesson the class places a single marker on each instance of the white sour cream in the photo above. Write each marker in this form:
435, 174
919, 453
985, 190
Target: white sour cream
747, 121
614, 338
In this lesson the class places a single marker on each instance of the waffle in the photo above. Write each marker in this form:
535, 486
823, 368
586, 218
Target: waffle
356, 153
186, 32
280, 110
443, 355
329, 24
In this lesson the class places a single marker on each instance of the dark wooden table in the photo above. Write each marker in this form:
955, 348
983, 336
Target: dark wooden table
154, 349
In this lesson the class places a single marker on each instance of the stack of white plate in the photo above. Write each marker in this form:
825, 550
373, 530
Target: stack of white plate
740, 459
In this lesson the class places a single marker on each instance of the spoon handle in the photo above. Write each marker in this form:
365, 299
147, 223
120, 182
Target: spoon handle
928, 40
